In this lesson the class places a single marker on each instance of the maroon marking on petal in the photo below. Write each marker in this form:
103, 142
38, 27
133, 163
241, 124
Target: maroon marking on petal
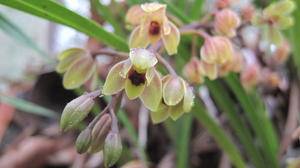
154, 28
136, 78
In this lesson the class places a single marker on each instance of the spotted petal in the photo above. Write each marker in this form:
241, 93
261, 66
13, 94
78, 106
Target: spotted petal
152, 95
171, 39
133, 91
114, 82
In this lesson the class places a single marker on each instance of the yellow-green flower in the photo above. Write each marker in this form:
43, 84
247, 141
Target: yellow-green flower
151, 24
138, 76
178, 98
274, 18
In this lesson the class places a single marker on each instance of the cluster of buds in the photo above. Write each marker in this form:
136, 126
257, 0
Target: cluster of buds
274, 18
79, 68
138, 76
150, 25
101, 134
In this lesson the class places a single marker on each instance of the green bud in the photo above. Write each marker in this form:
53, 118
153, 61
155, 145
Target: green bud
99, 133
83, 141
76, 110
112, 148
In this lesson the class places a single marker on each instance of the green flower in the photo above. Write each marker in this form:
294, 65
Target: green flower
138, 76
274, 18
178, 98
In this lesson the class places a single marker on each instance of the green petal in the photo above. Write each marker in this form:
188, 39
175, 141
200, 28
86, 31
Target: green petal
151, 97
138, 38
160, 115
272, 35
172, 39
173, 91
176, 111
126, 67
285, 22
188, 100
68, 57
114, 82
133, 91
79, 72
150, 74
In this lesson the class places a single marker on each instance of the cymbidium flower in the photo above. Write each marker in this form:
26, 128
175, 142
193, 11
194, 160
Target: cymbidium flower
274, 18
151, 24
138, 76
216, 50
282, 52
192, 71
226, 22
178, 98
78, 67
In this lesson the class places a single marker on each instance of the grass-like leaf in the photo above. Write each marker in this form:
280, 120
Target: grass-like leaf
53, 11
258, 119
28, 107
240, 127
17, 34
219, 134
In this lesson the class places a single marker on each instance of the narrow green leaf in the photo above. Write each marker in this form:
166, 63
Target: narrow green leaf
184, 128
177, 12
219, 134
108, 16
17, 34
258, 119
196, 9
53, 11
241, 129
28, 107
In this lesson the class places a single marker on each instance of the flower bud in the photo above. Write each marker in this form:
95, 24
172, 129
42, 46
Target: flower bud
235, 65
112, 148
250, 76
226, 22
282, 52
99, 133
247, 13
173, 90
83, 141
223, 3
216, 50
76, 110
271, 78
210, 70
192, 71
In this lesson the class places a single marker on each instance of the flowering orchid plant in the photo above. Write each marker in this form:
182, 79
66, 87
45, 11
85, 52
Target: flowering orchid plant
169, 58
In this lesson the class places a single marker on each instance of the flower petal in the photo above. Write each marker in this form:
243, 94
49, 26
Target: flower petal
210, 70
114, 82
138, 38
126, 67
142, 59
176, 111
150, 74
172, 39
173, 91
133, 91
68, 57
152, 95
79, 72
134, 15
188, 100
160, 115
